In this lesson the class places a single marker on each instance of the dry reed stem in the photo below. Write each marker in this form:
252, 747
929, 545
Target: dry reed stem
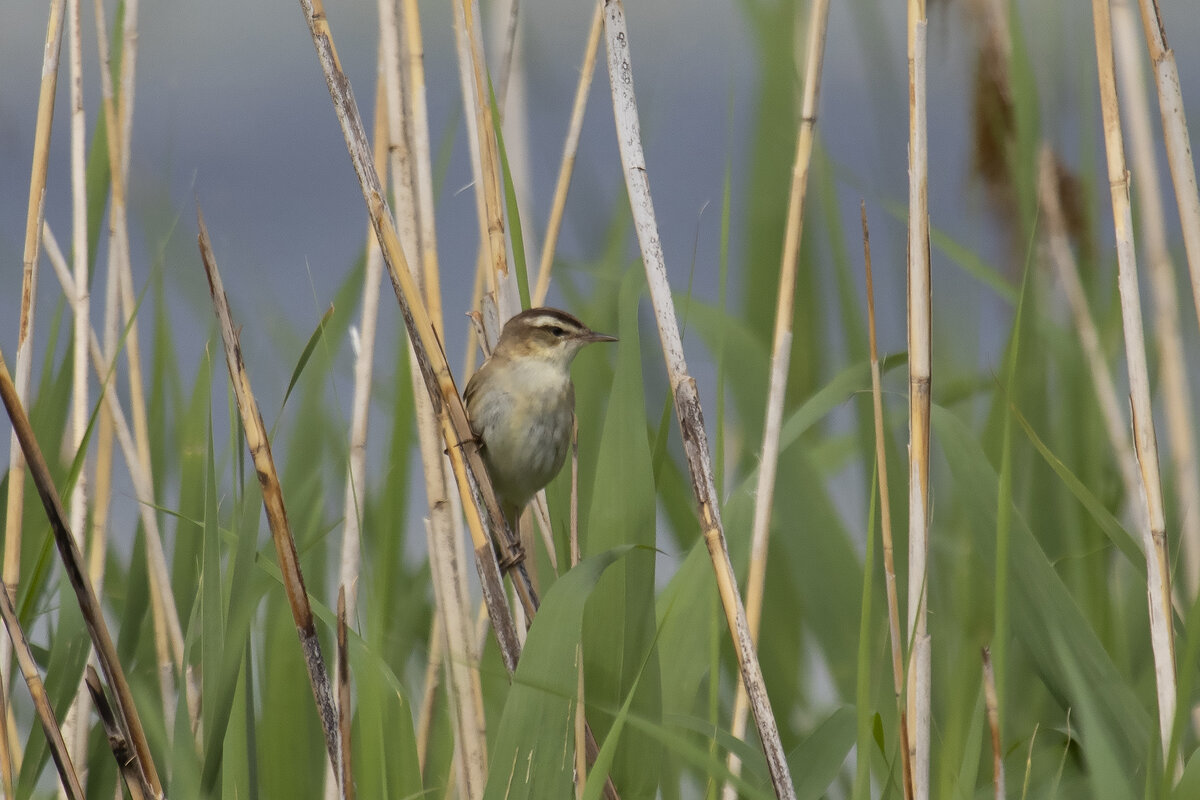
1175, 133
683, 388
73, 564
37, 691
486, 162
168, 636
1158, 566
919, 314
1058, 244
117, 742
895, 634
345, 774
6, 755
570, 147
413, 67
462, 684
259, 445
433, 668
993, 717
444, 541
508, 48
75, 721
781, 352
10, 572
354, 494
462, 448
1176, 392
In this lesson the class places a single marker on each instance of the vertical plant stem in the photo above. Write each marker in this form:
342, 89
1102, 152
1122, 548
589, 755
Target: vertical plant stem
1158, 566
895, 633
1175, 133
413, 65
490, 201
570, 148
919, 316
683, 388
1059, 247
75, 724
781, 353
34, 215
1176, 392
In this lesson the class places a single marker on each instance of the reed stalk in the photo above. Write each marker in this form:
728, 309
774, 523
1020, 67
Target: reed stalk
781, 355
1158, 566
10, 571
75, 722
570, 147
1175, 134
895, 633
919, 315
1152, 232
683, 389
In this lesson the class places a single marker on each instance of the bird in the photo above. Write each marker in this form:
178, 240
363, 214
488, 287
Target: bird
521, 403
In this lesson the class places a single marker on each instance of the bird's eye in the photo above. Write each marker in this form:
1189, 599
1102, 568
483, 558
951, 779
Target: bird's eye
557, 331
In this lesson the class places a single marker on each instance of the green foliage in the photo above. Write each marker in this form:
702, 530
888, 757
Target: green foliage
1034, 552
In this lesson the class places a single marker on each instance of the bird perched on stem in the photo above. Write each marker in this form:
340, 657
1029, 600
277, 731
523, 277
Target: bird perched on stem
521, 402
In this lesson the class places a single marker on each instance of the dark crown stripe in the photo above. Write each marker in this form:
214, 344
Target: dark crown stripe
541, 317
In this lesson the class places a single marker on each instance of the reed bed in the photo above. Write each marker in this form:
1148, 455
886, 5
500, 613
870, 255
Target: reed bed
361, 652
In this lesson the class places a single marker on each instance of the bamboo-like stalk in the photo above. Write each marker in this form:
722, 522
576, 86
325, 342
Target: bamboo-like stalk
135, 782
1176, 392
259, 445
413, 67
444, 541
489, 194
37, 691
993, 717
1175, 133
75, 722
1058, 244
919, 316
570, 147
35, 213
433, 671
781, 353
895, 634
73, 564
345, 773
467, 464
1158, 565
683, 388
354, 494
168, 635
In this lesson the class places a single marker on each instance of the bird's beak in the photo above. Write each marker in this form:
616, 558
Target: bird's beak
592, 336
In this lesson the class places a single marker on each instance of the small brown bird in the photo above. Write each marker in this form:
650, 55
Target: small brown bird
521, 402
